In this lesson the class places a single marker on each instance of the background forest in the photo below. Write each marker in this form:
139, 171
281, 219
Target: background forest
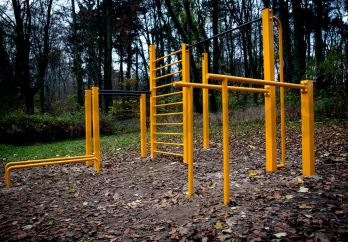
51, 50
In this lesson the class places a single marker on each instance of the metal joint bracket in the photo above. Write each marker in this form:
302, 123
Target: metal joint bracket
267, 94
304, 83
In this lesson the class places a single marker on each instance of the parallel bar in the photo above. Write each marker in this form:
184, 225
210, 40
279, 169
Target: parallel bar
255, 81
15, 167
219, 87
168, 94
225, 32
88, 123
169, 124
14, 163
163, 133
170, 74
165, 56
165, 85
168, 104
169, 143
281, 79
170, 64
168, 114
168, 153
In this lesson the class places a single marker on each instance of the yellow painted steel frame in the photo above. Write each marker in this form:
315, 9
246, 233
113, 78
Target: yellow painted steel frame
226, 149
270, 98
143, 124
152, 100
185, 102
205, 101
281, 79
307, 114
88, 158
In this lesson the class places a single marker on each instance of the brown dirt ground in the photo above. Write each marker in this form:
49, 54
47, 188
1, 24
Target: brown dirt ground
137, 199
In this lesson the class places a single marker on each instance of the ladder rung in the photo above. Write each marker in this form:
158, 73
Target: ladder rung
162, 133
168, 124
168, 153
164, 85
168, 114
168, 104
169, 64
170, 54
168, 143
170, 74
168, 94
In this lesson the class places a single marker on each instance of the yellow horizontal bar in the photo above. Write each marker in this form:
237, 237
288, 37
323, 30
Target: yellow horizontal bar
168, 114
168, 104
168, 124
161, 133
170, 64
168, 153
165, 85
15, 163
255, 81
170, 74
219, 87
168, 143
165, 56
168, 94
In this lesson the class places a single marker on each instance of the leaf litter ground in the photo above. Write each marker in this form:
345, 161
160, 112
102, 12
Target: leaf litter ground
137, 199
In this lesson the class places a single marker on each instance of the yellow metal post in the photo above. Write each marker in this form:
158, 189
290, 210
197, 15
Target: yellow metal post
143, 124
152, 100
205, 101
185, 101
96, 130
226, 149
307, 114
190, 127
281, 79
270, 98
88, 123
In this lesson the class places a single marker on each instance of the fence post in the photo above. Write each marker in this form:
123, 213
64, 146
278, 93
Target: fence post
307, 115
143, 124
205, 102
270, 98
96, 130
152, 100
88, 124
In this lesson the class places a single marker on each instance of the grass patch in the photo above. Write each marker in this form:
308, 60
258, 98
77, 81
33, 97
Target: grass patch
109, 145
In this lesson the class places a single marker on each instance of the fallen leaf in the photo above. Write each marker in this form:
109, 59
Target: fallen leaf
303, 189
218, 225
71, 190
280, 235
289, 197
253, 173
304, 206
27, 227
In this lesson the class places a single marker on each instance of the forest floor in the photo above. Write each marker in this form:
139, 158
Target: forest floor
135, 199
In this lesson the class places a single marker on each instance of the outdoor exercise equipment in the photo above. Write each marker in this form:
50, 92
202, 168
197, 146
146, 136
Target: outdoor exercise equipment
269, 86
92, 132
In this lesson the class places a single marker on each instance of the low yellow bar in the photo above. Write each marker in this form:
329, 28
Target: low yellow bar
168, 114
169, 143
169, 124
163, 133
170, 74
23, 166
170, 64
219, 87
168, 153
255, 81
165, 85
165, 56
167, 104
14, 163
168, 94
143, 125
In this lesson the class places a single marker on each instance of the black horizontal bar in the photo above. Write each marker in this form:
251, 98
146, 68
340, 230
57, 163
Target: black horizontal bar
225, 32
124, 91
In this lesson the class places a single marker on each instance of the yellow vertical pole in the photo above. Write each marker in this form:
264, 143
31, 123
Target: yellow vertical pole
184, 100
270, 98
96, 130
152, 100
205, 102
88, 123
226, 149
307, 115
281, 79
143, 124
190, 127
